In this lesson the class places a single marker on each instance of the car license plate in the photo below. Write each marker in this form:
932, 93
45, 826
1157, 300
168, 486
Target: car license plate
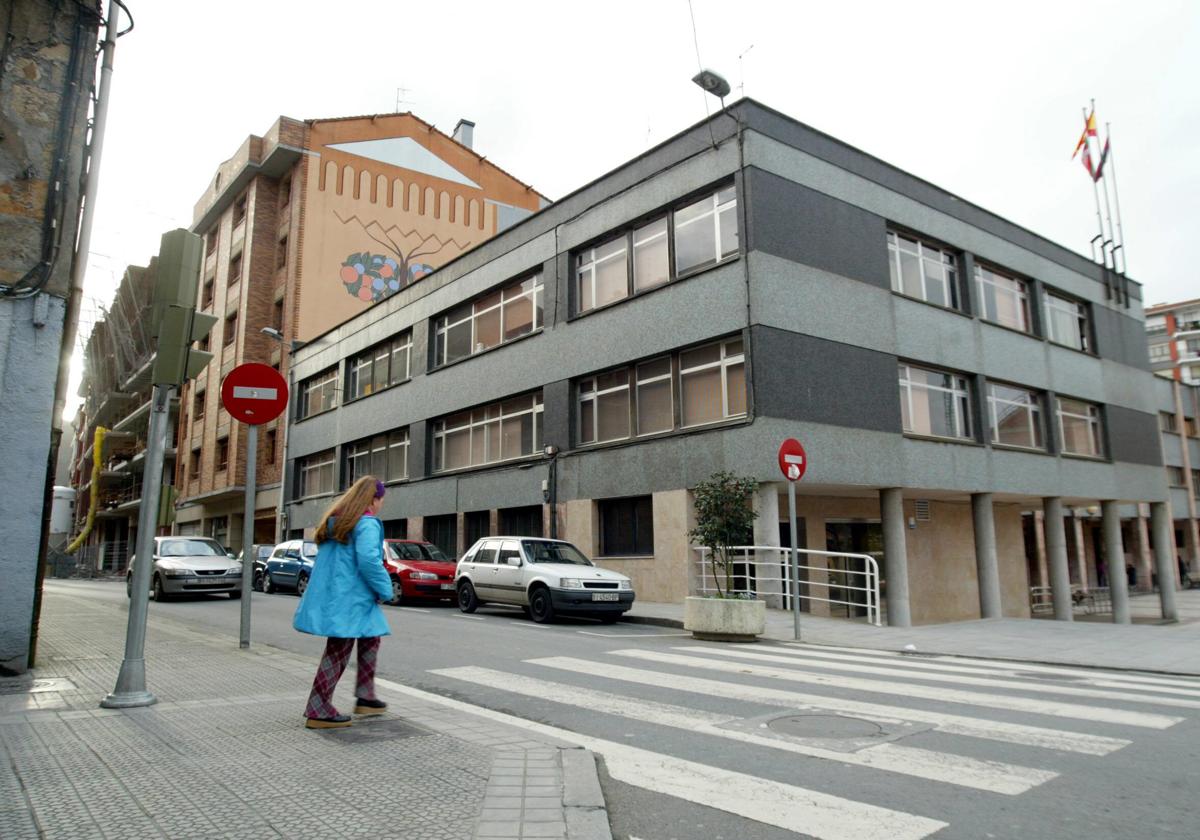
447, 586
605, 596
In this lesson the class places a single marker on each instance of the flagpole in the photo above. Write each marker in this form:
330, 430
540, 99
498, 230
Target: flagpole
1095, 193
1112, 167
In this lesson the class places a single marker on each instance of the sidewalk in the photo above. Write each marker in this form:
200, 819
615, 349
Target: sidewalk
1168, 648
223, 753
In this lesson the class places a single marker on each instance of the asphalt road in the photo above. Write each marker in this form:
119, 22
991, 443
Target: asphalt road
767, 741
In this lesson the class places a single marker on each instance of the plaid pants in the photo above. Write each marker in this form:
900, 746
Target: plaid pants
333, 663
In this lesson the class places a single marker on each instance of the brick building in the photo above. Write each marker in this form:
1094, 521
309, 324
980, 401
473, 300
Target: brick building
304, 227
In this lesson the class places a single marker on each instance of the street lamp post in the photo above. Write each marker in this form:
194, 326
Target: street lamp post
550, 489
288, 347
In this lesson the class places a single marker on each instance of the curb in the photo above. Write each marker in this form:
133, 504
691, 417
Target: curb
652, 619
583, 801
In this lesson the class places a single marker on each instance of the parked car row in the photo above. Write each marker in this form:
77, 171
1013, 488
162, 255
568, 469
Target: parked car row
543, 577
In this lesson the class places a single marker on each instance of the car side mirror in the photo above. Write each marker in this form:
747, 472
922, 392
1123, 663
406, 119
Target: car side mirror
514, 561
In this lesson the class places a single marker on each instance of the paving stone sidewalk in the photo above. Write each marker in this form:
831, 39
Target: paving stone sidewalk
223, 753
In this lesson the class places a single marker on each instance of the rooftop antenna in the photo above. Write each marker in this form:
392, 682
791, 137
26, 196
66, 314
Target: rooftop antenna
741, 72
401, 92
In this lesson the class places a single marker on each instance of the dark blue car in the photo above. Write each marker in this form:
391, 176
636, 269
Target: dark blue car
288, 567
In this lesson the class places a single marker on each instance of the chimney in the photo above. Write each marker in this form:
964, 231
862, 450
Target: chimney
464, 133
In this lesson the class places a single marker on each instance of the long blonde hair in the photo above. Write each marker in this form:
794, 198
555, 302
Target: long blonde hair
347, 510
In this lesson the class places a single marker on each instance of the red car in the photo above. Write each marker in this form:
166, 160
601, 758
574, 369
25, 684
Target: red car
419, 571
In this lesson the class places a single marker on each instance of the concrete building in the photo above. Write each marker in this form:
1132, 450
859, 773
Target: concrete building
750, 280
1173, 332
49, 62
116, 391
304, 227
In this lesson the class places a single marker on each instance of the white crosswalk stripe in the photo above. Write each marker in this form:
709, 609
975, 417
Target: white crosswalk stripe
1002, 731
949, 695
993, 776
921, 670
917, 664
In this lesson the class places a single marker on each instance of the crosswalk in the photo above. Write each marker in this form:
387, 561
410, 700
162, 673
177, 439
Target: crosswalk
1040, 721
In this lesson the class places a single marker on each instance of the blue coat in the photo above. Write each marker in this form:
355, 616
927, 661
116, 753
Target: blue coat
347, 582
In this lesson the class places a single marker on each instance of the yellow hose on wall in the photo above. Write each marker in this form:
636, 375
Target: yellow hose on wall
94, 500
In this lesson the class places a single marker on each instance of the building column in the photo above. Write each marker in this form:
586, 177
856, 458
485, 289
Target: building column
1080, 554
1056, 554
1039, 540
895, 556
1164, 558
773, 567
415, 527
1145, 552
986, 566
1114, 559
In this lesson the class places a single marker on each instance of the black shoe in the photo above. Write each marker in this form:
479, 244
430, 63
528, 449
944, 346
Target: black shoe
336, 722
369, 707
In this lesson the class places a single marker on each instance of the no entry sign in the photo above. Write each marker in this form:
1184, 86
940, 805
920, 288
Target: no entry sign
254, 393
792, 460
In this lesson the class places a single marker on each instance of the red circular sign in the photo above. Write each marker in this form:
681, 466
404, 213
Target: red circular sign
254, 393
792, 460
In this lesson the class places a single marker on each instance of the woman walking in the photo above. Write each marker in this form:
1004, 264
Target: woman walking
341, 602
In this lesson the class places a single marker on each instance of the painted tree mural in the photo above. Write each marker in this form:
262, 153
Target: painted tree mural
373, 276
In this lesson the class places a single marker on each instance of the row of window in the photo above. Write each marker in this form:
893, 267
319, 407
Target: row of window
930, 272
1166, 423
938, 404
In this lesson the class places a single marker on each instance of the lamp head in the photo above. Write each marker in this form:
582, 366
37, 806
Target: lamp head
712, 82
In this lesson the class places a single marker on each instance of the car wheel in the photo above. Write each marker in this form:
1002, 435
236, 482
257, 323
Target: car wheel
541, 608
159, 594
397, 592
467, 602
257, 583
301, 585
268, 584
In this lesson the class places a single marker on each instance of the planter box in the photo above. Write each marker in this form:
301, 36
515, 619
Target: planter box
724, 619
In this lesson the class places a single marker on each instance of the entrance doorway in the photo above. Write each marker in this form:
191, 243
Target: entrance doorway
856, 537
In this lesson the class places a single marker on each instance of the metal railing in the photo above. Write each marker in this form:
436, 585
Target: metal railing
102, 559
1089, 600
764, 572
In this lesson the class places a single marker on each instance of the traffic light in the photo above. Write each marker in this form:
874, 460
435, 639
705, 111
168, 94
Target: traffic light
177, 324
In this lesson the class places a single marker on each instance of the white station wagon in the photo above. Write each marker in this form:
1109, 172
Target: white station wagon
544, 577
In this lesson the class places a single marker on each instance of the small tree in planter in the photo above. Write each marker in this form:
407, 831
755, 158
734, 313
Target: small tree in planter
724, 518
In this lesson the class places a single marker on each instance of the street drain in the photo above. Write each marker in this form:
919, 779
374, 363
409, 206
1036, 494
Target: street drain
825, 726
377, 730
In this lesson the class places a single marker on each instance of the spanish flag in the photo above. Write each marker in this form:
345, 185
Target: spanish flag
1089, 130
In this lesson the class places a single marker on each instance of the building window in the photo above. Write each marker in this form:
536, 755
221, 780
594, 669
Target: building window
442, 531
210, 242
1016, 416
626, 527
208, 293
1156, 325
712, 383
231, 323
1067, 322
383, 365
318, 474
235, 269
383, 456
1003, 299
1189, 426
318, 393
1166, 421
604, 407
655, 402
198, 402
492, 319
488, 435
277, 315
223, 454
1175, 476
194, 464
934, 403
1079, 428
285, 192
922, 270
1160, 352
703, 233
272, 438
281, 254
1196, 483
239, 211
218, 529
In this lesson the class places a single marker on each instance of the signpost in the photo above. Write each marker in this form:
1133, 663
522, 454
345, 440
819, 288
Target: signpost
793, 462
252, 394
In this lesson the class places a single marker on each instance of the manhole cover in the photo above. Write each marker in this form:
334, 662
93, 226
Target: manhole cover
24, 685
377, 730
825, 726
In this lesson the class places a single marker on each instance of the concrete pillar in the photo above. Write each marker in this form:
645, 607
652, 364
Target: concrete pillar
1164, 558
1039, 535
895, 556
1056, 554
1144, 553
494, 522
771, 567
986, 566
1080, 553
1114, 556
415, 527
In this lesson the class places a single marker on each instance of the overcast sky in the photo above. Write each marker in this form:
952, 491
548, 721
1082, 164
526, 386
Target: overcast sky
983, 102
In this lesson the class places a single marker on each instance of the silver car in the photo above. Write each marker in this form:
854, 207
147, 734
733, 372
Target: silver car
544, 577
190, 566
